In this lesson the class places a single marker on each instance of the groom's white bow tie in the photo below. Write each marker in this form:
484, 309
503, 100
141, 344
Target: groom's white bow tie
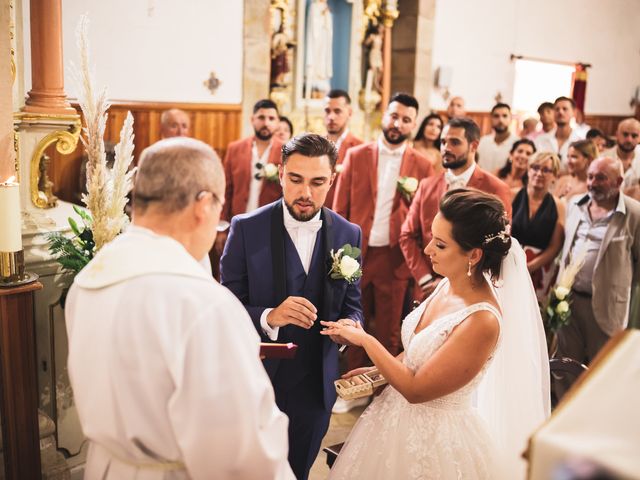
312, 226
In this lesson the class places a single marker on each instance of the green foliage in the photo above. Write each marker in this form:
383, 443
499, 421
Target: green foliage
75, 252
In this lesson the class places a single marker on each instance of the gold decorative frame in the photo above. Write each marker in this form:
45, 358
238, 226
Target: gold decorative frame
66, 142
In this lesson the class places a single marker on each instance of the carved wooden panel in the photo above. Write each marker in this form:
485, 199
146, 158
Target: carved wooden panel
217, 125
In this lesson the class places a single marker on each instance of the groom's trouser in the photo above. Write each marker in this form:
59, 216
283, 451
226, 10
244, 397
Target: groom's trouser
308, 422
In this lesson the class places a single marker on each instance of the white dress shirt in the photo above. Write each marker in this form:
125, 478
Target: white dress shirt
389, 162
303, 235
341, 138
459, 181
547, 142
492, 155
256, 183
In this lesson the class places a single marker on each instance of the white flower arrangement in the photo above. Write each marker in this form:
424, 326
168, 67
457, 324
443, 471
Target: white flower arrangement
558, 308
268, 171
408, 186
344, 264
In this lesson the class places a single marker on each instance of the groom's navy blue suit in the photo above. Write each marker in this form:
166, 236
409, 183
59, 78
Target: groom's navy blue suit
261, 266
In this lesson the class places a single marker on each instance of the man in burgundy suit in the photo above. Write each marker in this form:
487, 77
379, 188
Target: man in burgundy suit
247, 167
246, 164
459, 142
369, 194
337, 113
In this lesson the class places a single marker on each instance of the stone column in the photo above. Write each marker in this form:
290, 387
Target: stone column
412, 50
7, 154
47, 74
256, 62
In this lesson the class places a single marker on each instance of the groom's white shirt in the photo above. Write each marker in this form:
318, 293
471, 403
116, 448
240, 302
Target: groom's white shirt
303, 235
165, 370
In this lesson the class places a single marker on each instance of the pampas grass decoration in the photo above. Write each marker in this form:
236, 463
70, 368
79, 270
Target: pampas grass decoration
106, 189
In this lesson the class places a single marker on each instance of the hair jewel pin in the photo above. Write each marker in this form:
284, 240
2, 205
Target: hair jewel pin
503, 235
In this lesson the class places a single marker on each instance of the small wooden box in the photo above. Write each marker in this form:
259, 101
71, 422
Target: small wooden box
359, 386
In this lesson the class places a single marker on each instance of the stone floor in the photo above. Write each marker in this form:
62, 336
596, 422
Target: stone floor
339, 429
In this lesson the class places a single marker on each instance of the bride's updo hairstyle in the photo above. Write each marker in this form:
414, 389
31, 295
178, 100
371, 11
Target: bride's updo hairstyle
478, 220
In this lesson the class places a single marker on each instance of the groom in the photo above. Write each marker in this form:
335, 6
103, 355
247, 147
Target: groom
277, 262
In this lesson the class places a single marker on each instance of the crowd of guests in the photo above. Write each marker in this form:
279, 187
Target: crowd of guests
540, 174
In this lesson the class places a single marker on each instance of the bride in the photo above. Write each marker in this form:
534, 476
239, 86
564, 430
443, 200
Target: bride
473, 381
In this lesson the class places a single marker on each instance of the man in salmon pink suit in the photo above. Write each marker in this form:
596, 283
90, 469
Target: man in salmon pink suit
251, 171
374, 191
251, 181
459, 143
337, 113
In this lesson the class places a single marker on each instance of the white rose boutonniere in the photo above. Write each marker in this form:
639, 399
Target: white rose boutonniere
268, 171
558, 306
344, 264
407, 186
339, 168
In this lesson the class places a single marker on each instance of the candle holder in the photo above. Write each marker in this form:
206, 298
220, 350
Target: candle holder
12, 272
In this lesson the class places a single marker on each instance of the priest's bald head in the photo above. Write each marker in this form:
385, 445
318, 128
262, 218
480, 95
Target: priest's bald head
179, 191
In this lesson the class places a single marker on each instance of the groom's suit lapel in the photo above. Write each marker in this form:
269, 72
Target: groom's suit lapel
277, 254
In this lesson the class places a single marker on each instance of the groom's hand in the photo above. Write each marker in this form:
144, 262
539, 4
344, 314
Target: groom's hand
293, 311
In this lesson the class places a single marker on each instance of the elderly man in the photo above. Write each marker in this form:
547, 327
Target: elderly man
627, 138
163, 360
174, 123
456, 108
606, 225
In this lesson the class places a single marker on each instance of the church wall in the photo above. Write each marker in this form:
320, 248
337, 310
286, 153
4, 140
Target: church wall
158, 51
476, 39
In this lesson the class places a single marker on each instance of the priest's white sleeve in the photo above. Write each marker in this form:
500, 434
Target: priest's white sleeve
223, 411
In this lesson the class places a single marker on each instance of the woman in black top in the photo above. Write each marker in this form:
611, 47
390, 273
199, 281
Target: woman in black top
538, 221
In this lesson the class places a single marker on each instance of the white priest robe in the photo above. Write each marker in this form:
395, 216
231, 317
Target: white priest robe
164, 365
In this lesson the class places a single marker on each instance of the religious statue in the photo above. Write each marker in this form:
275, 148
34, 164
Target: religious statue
280, 45
373, 41
319, 44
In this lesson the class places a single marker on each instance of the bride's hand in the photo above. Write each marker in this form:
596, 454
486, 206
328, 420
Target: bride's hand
352, 333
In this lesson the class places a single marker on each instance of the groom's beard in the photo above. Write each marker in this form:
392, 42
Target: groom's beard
303, 216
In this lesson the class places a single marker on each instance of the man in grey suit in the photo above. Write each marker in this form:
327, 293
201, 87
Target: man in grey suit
606, 223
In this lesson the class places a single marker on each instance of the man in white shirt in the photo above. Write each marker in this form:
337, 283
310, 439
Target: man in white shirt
559, 139
369, 194
164, 361
174, 123
627, 138
337, 113
493, 149
278, 262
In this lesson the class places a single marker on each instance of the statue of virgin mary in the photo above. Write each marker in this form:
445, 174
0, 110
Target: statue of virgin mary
319, 44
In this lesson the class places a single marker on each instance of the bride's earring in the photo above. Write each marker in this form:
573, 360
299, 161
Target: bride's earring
469, 269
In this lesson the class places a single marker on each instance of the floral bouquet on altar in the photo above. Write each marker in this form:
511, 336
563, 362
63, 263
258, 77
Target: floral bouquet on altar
558, 307
107, 188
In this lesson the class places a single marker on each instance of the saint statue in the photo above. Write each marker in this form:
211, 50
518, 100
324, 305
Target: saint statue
279, 53
373, 41
319, 44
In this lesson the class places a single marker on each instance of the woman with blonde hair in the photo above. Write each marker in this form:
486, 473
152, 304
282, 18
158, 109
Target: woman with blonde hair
580, 156
538, 221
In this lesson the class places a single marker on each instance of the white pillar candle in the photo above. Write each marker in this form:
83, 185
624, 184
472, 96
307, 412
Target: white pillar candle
10, 217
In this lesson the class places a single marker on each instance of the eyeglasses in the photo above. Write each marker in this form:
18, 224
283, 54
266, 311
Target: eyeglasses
538, 168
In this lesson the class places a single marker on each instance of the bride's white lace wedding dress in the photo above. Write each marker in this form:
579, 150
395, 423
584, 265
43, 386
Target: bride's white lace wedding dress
441, 439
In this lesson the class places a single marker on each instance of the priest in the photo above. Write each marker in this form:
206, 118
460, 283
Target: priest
163, 360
